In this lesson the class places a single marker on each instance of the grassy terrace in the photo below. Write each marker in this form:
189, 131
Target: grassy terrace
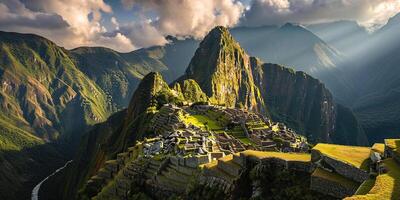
333, 177
352, 155
393, 144
387, 186
201, 121
284, 156
379, 147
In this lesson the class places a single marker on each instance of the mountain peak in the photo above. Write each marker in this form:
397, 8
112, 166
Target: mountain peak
150, 85
223, 70
216, 35
219, 29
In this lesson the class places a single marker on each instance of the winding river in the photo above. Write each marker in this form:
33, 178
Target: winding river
35, 191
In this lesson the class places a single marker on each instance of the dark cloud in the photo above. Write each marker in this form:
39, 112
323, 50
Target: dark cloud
14, 14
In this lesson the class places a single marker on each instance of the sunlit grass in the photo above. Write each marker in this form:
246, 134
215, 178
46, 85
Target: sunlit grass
393, 144
201, 121
284, 156
387, 186
355, 156
379, 147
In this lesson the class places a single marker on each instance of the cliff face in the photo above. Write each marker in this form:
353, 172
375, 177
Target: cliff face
306, 105
298, 99
222, 69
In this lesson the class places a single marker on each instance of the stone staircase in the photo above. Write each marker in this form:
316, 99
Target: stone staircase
224, 173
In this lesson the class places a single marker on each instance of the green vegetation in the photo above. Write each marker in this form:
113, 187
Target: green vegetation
228, 80
387, 186
365, 187
192, 92
13, 137
393, 144
352, 155
333, 177
201, 121
284, 156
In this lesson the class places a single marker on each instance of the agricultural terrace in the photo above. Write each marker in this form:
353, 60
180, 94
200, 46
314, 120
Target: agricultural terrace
284, 156
379, 147
355, 156
393, 144
201, 121
387, 186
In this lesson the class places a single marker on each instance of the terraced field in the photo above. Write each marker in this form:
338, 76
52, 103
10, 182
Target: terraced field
353, 155
284, 156
386, 186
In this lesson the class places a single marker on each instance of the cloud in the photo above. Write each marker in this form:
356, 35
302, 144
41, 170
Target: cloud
143, 34
15, 14
70, 23
186, 18
366, 12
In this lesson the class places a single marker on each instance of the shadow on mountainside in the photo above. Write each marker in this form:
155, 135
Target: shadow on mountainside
22, 170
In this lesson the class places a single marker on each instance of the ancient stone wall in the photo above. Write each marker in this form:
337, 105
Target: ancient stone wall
331, 188
347, 170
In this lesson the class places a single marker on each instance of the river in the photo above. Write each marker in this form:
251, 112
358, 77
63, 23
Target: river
35, 191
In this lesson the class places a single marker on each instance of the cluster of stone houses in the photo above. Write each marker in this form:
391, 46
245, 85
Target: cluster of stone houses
184, 143
259, 130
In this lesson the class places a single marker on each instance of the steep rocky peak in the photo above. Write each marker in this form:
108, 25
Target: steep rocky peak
218, 43
150, 85
222, 70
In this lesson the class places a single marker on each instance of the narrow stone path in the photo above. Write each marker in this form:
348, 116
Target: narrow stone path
35, 191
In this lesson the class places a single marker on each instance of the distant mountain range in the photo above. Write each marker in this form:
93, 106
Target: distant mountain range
372, 63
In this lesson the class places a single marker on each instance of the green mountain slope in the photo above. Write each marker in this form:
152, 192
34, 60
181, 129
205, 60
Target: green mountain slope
43, 97
49, 93
115, 135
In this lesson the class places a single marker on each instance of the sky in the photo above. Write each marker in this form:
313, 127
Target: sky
126, 25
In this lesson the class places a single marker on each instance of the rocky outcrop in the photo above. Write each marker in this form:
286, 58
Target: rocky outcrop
222, 69
191, 91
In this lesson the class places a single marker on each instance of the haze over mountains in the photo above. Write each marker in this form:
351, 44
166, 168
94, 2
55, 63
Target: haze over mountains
51, 94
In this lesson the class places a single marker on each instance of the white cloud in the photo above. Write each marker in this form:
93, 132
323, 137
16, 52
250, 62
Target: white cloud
115, 23
366, 12
143, 34
74, 26
188, 18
